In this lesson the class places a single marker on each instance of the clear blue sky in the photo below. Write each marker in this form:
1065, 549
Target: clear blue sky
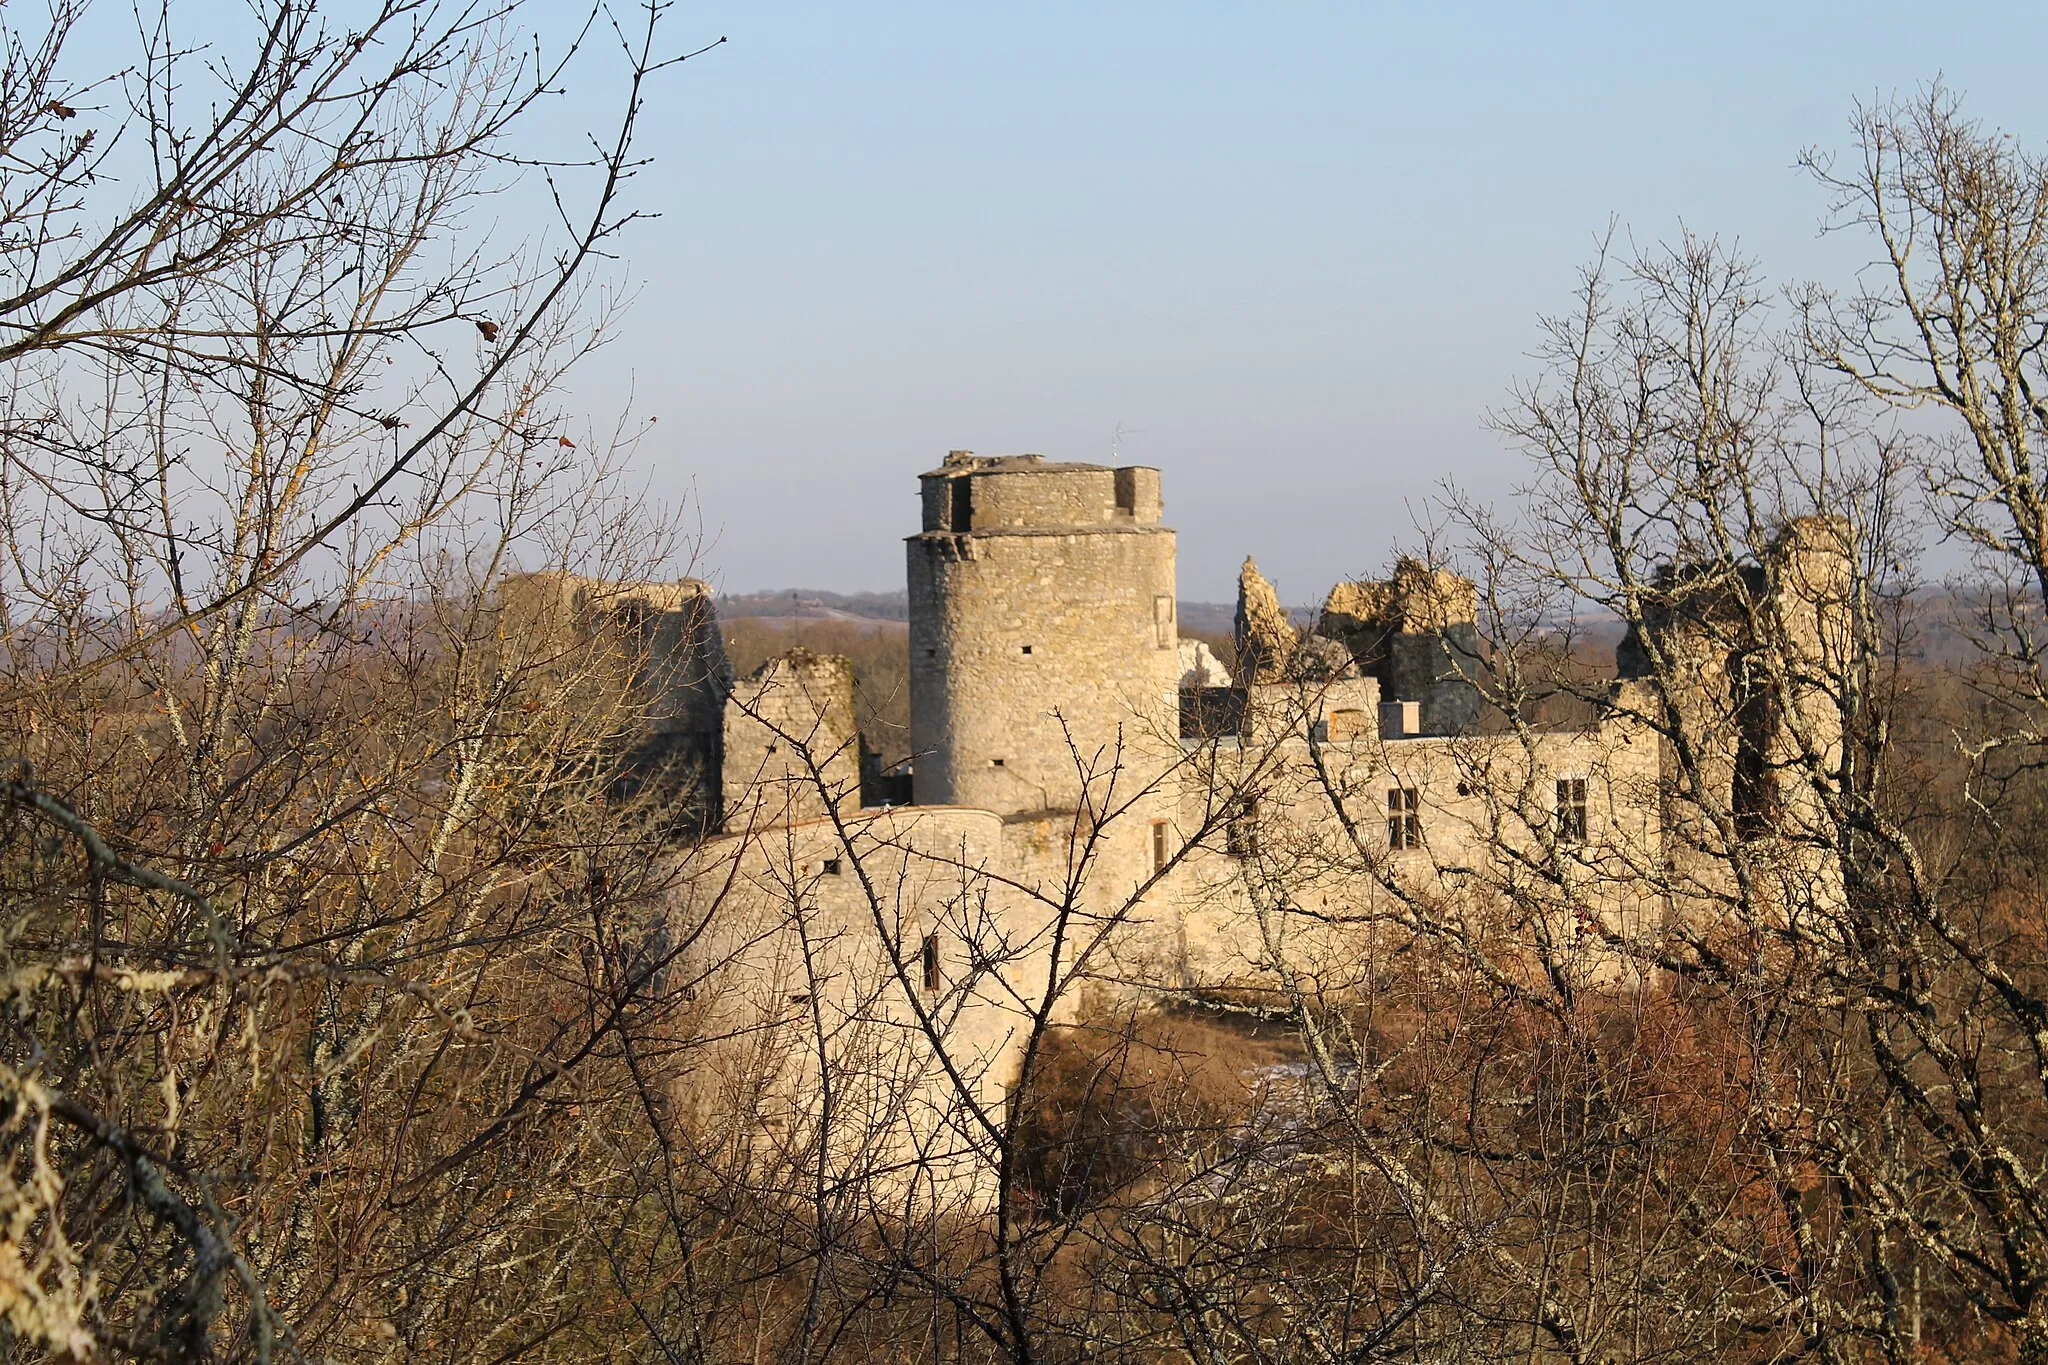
1296, 251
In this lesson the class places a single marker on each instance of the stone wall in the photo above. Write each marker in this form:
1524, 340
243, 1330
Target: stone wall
851, 948
792, 751
850, 945
1297, 866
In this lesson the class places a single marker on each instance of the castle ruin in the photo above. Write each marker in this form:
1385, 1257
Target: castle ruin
1095, 808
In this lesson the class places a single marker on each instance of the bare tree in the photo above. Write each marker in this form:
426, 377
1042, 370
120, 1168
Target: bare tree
366, 999
337, 975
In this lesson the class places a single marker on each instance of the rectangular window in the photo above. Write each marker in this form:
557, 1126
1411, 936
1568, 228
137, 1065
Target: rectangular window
832, 867
930, 964
1404, 818
1160, 855
1571, 810
1162, 620
963, 505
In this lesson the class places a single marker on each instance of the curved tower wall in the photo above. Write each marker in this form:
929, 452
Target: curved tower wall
1042, 623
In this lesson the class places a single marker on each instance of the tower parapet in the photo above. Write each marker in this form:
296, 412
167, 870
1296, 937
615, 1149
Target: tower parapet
972, 492
1043, 631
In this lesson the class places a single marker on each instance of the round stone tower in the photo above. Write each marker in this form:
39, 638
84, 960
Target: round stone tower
1042, 629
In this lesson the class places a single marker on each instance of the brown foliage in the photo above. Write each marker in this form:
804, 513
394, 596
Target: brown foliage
1116, 1098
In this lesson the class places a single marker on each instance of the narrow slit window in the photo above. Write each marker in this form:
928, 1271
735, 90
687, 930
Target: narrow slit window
1571, 810
1755, 796
1160, 847
1162, 620
929, 963
1404, 818
1241, 836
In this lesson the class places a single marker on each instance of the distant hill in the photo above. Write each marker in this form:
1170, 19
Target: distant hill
814, 604
817, 605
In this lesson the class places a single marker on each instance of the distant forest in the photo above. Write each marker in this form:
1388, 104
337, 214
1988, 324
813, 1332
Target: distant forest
1196, 618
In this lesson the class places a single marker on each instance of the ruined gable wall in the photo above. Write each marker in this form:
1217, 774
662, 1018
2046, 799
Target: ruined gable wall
1749, 655
1813, 575
790, 730
1416, 600
1417, 633
1265, 638
657, 643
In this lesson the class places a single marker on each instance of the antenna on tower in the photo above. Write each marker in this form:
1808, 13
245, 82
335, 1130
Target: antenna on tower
1116, 439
